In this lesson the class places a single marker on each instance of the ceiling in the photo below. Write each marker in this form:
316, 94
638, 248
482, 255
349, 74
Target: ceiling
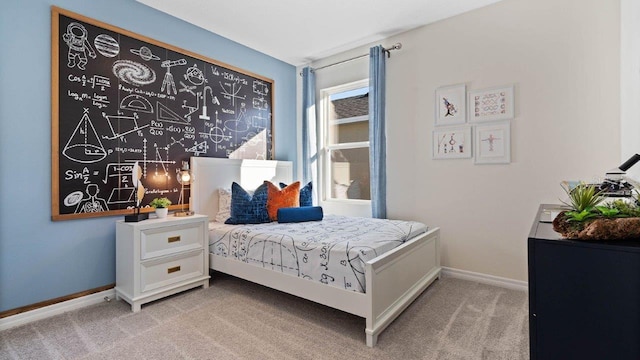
301, 31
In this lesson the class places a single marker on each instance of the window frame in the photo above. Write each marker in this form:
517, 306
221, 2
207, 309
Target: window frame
325, 175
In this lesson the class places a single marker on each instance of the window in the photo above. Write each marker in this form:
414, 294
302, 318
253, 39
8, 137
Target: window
345, 146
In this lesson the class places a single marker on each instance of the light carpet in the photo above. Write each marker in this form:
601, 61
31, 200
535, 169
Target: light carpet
236, 319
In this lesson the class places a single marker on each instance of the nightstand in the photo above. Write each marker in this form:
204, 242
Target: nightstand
160, 257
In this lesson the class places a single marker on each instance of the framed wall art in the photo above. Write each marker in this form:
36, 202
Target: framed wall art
491, 104
120, 98
450, 105
493, 143
452, 142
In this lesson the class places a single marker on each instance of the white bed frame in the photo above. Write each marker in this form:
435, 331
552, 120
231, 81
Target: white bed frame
393, 279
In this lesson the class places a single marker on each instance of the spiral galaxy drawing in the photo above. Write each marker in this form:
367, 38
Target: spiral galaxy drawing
134, 73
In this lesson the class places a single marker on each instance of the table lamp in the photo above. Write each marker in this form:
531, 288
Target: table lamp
185, 177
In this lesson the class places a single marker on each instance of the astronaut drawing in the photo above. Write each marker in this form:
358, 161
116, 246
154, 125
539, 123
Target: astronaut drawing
79, 46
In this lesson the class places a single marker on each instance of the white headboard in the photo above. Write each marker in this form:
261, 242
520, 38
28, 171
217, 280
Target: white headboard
210, 174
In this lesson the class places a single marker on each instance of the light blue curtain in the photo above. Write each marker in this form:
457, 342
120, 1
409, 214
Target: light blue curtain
309, 144
377, 137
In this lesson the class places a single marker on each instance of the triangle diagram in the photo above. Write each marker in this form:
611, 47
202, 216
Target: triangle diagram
199, 148
163, 113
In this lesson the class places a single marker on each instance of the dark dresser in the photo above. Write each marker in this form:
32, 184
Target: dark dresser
584, 296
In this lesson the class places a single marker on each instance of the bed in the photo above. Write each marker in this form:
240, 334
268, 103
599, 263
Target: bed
390, 281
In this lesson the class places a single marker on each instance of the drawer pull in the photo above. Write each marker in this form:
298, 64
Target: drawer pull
173, 269
174, 239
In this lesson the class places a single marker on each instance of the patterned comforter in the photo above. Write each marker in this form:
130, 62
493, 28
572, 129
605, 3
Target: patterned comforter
332, 251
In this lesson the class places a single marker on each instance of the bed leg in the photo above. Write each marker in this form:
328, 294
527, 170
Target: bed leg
372, 340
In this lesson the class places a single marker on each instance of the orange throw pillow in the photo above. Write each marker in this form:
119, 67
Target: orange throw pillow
276, 198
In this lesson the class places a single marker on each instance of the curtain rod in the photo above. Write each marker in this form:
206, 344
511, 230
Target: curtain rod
396, 46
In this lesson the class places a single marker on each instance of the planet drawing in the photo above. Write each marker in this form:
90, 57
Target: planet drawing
145, 53
106, 45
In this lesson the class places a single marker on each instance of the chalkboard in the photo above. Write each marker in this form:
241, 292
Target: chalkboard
119, 97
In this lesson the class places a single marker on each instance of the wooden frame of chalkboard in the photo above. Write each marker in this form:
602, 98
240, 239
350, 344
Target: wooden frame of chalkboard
119, 98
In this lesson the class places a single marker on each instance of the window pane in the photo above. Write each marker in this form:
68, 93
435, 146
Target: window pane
349, 132
350, 174
348, 116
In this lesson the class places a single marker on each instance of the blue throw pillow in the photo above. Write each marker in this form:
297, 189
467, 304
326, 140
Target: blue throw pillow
247, 209
300, 214
306, 194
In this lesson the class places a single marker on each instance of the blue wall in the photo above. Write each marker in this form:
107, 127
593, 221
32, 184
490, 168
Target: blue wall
41, 259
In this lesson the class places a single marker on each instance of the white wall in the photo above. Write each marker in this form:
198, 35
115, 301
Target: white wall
564, 58
630, 81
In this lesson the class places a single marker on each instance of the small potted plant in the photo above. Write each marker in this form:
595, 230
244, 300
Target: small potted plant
161, 205
590, 216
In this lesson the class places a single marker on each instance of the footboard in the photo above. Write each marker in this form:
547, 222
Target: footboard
397, 277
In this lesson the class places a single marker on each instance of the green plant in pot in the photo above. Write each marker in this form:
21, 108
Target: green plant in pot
590, 217
161, 205
583, 200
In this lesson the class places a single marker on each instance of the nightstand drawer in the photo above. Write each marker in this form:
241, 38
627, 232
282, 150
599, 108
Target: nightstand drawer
155, 274
170, 240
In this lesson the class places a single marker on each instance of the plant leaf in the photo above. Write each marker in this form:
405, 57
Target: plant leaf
579, 216
582, 197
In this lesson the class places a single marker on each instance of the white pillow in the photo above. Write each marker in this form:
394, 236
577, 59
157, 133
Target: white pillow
224, 205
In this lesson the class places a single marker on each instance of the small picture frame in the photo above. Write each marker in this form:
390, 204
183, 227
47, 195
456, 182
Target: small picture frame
450, 104
491, 104
451, 142
493, 143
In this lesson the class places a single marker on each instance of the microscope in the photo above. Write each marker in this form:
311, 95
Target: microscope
615, 184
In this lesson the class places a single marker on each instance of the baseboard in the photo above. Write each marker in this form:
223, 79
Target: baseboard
55, 309
96, 298
485, 279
